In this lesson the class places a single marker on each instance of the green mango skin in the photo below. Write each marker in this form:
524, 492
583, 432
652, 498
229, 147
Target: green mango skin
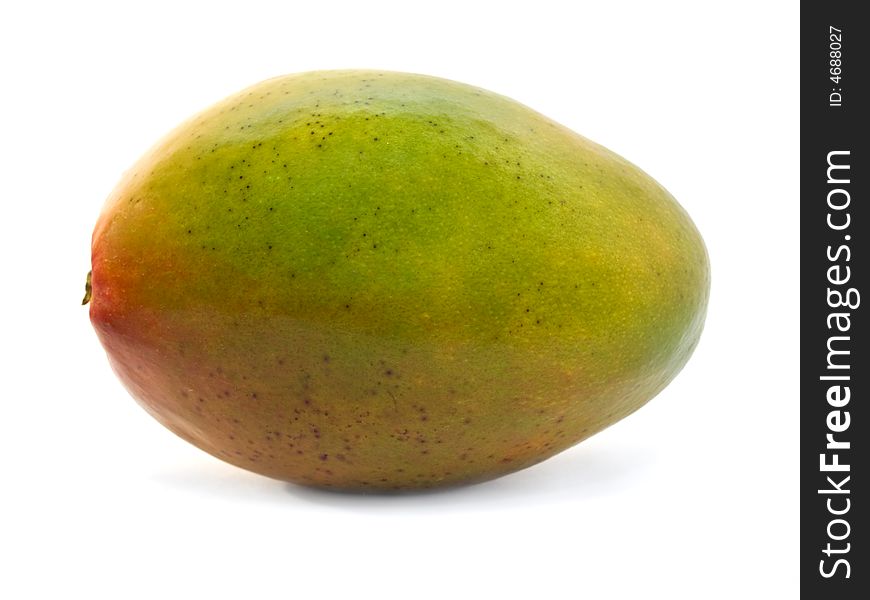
381, 281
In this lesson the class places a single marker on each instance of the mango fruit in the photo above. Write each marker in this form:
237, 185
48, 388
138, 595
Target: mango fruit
371, 280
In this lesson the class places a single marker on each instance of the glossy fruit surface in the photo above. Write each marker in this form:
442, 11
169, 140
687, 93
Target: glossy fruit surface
374, 280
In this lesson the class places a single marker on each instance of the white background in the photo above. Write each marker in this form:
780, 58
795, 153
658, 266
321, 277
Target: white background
694, 496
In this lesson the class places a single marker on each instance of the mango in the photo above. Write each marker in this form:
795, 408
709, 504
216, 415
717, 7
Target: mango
371, 280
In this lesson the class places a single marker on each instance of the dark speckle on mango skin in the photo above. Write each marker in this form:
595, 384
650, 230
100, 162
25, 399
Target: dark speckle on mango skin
369, 280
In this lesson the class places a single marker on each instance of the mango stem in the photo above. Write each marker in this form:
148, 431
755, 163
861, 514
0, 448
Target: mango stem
87, 297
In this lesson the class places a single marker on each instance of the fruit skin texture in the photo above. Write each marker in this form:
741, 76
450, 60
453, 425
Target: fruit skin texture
372, 280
